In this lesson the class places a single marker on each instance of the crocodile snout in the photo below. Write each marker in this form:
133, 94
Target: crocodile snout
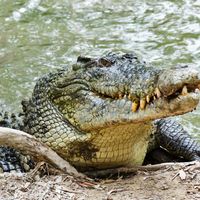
179, 80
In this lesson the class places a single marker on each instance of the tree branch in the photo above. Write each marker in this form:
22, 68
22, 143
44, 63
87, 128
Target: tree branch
40, 152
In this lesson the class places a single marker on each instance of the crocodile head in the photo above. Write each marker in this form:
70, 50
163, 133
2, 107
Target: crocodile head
116, 89
98, 112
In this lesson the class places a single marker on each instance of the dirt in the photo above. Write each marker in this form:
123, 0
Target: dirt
173, 182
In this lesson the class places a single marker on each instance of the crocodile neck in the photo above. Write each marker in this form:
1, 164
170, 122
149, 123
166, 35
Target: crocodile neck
116, 146
43, 118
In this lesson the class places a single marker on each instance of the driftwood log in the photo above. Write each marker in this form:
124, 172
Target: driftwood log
29, 145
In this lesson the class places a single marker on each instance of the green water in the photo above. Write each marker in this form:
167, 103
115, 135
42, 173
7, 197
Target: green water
38, 36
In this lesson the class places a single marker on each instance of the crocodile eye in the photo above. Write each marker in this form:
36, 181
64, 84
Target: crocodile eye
103, 62
84, 62
83, 59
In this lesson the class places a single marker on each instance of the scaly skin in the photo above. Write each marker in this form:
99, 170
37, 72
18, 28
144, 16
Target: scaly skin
99, 112
11, 159
175, 139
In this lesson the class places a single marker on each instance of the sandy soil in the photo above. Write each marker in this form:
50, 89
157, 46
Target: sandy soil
173, 182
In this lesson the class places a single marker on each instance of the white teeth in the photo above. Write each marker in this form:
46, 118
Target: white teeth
142, 104
196, 90
148, 98
157, 93
120, 96
184, 91
134, 106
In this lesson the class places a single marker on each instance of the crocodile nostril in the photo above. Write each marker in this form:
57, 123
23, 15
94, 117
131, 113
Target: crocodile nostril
184, 66
180, 67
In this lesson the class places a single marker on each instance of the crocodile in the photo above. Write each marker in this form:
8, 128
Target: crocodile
102, 112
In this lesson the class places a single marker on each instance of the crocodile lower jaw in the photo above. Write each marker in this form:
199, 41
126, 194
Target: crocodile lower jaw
165, 107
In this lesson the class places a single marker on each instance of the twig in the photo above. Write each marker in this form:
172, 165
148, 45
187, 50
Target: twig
71, 191
134, 170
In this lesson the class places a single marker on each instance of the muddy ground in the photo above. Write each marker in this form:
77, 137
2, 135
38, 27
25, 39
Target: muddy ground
172, 182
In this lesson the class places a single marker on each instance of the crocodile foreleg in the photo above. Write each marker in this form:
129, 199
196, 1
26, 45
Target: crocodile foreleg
11, 159
171, 136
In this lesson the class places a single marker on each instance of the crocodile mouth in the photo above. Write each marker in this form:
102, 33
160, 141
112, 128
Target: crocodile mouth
180, 102
183, 100
186, 90
185, 93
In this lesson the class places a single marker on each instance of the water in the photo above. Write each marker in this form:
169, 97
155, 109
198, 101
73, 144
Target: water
38, 36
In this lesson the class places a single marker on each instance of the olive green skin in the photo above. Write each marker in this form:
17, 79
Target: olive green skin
85, 112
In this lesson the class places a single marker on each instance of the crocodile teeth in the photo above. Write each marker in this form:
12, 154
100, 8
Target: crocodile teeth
184, 91
148, 98
157, 93
120, 96
142, 104
134, 106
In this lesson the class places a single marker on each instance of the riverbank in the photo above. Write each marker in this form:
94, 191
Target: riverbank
174, 182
